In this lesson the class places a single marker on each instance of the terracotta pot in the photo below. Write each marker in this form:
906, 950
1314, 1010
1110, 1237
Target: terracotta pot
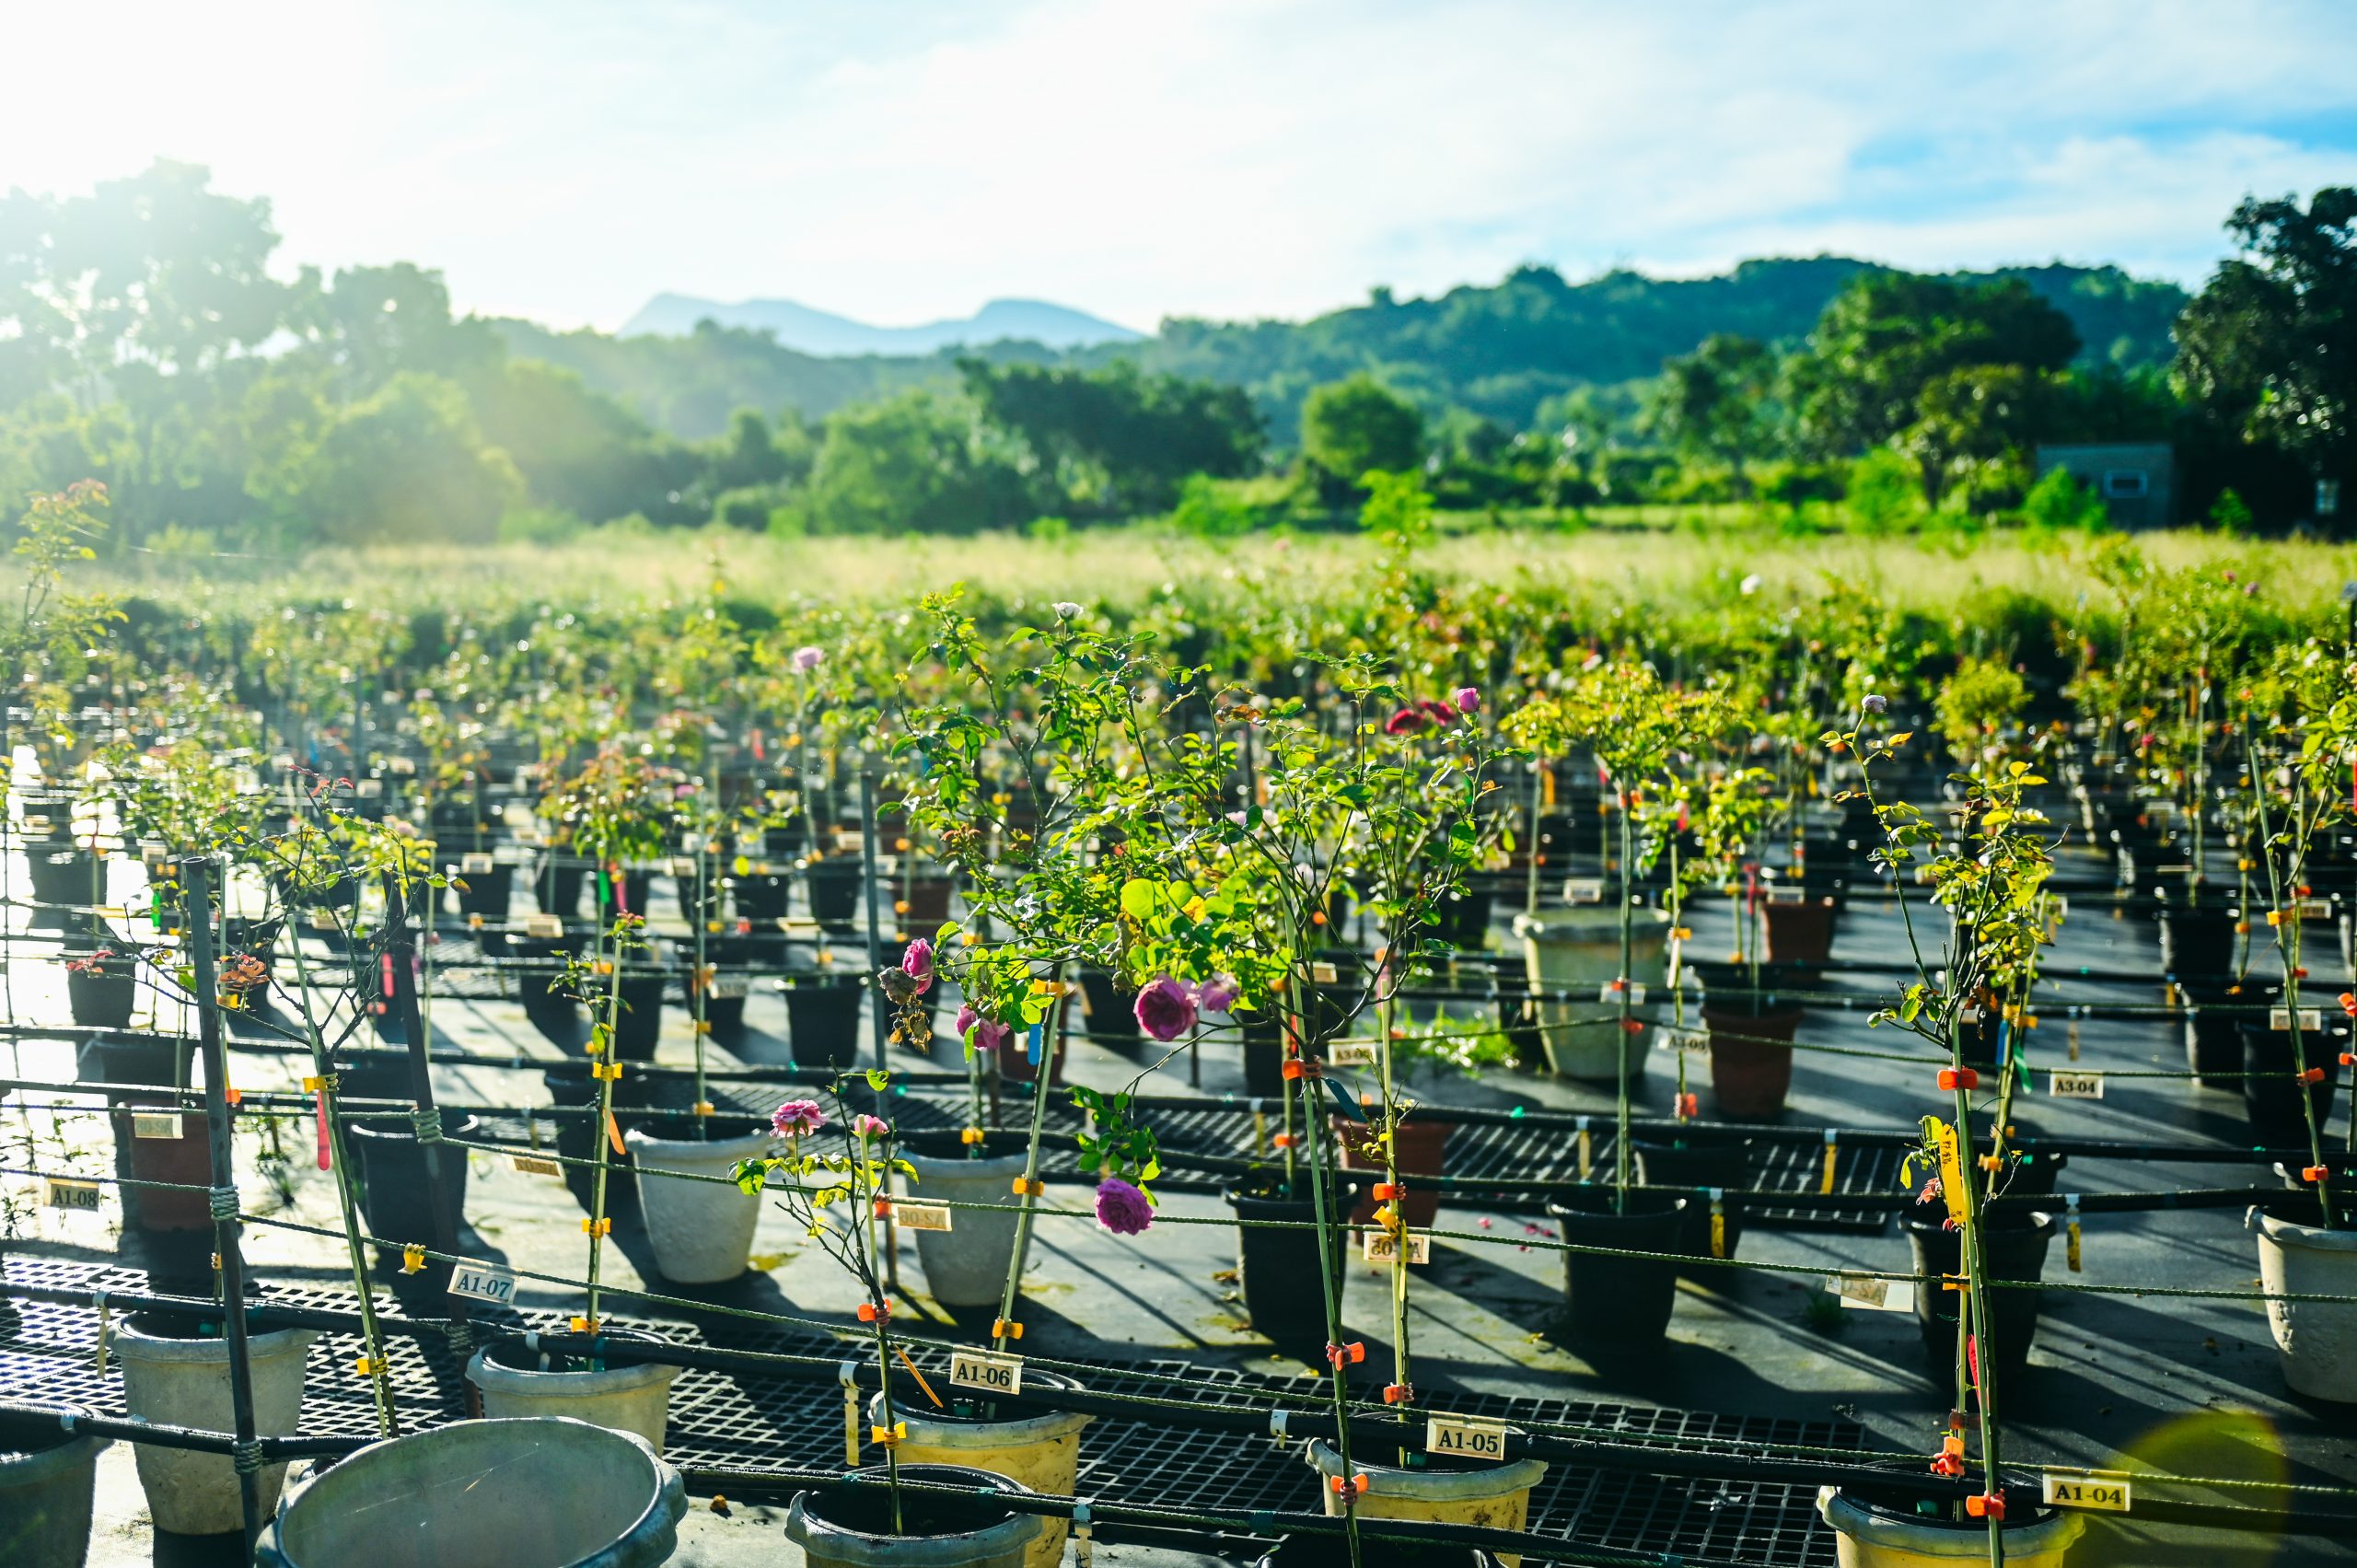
1751, 1062
1423, 1152
1799, 933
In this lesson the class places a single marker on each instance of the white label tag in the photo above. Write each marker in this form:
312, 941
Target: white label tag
2074, 1086
543, 927
476, 864
921, 1217
63, 1193
2106, 1496
1358, 1053
849, 842
731, 987
2315, 909
484, 1282
1786, 895
1323, 974
1472, 1439
1872, 1295
2173, 871
2311, 1020
369, 789
405, 766
1381, 1246
1584, 890
1610, 992
993, 1374
532, 1165
155, 1124
1694, 1043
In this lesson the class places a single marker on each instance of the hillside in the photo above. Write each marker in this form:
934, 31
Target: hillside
798, 327
1500, 350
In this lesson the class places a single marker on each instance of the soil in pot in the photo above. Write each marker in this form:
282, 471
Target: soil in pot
1422, 1153
1277, 1265
1618, 1302
852, 1526
1696, 1166
822, 1015
396, 1198
628, 1397
2014, 1245
48, 1476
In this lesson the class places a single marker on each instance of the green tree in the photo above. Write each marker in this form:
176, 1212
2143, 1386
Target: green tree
2269, 349
1116, 440
1973, 423
1349, 427
912, 464
1714, 404
404, 466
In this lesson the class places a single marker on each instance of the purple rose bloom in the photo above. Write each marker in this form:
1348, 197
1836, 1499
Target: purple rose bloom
808, 658
1122, 1208
967, 1019
1166, 1009
917, 964
1218, 994
1468, 699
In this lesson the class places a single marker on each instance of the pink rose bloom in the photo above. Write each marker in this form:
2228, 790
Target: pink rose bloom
1122, 1208
1218, 994
917, 964
808, 658
1468, 699
992, 1035
870, 1127
797, 1117
1166, 1009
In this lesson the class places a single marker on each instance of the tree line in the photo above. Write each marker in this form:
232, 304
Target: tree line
145, 341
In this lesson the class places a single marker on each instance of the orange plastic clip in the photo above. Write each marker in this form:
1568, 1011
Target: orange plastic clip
1960, 1078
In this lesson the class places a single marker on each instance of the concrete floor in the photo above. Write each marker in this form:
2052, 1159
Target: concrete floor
2192, 1387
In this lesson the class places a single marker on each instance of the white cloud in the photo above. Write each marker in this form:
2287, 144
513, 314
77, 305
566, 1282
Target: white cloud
1221, 156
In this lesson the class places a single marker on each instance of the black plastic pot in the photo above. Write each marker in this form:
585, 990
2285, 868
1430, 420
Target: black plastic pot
638, 1023
489, 894
730, 956
822, 1016
395, 1197
1112, 1018
834, 888
133, 1059
1464, 922
1618, 1302
1264, 1056
2198, 942
1697, 1167
102, 997
63, 881
559, 889
2213, 1045
2270, 1094
1277, 1268
572, 1088
760, 895
2014, 1247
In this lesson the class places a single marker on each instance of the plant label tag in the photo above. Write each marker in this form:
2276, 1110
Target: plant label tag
369, 789
405, 766
2074, 1086
532, 1165
1609, 992
1323, 973
2181, 870
921, 1217
155, 1124
1354, 1054
2315, 909
681, 866
848, 842
2104, 1497
1382, 1247
1695, 1042
993, 1374
484, 1282
1872, 1295
1786, 895
2311, 1020
1584, 890
319, 920
543, 927
476, 864
63, 1193
1968, 1017
1466, 1438
731, 987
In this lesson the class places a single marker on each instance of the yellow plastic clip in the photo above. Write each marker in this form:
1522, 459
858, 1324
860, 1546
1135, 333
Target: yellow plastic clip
603, 1226
413, 1260
1588, 1150
364, 1368
582, 1325
887, 1436
705, 1107
969, 1136
611, 1070
312, 1085
703, 1026
1259, 1129
1029, 1188
2071, 1232
1007, 1329
2074, 1039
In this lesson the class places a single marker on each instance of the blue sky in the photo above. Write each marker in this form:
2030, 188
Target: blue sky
900, 160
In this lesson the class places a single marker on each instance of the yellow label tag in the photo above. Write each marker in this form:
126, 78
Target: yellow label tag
1951, 1167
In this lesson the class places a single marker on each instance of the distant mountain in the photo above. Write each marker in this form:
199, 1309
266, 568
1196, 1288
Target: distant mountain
800, 328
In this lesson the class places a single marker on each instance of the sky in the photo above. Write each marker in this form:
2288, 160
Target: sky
905, 160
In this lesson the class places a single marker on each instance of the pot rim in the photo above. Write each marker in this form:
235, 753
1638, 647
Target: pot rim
486, 1374
942, 1432
1443, 1486
1845, 1516
153, 1347
2292, 1233
1011, 1534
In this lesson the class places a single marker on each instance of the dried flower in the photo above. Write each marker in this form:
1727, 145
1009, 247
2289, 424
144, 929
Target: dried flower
1122, 1208
1166, 1009
797, 1117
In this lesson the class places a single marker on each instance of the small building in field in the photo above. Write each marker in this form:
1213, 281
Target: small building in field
2137, 480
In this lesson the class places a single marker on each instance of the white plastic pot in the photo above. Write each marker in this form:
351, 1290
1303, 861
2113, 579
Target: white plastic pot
47, 1480
636, 1398
178, 1382
966, 1265
540, 1493
1577, 951
1494, 1497
702, 1231
2316, 1340
1865, 1538
1041, 1451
